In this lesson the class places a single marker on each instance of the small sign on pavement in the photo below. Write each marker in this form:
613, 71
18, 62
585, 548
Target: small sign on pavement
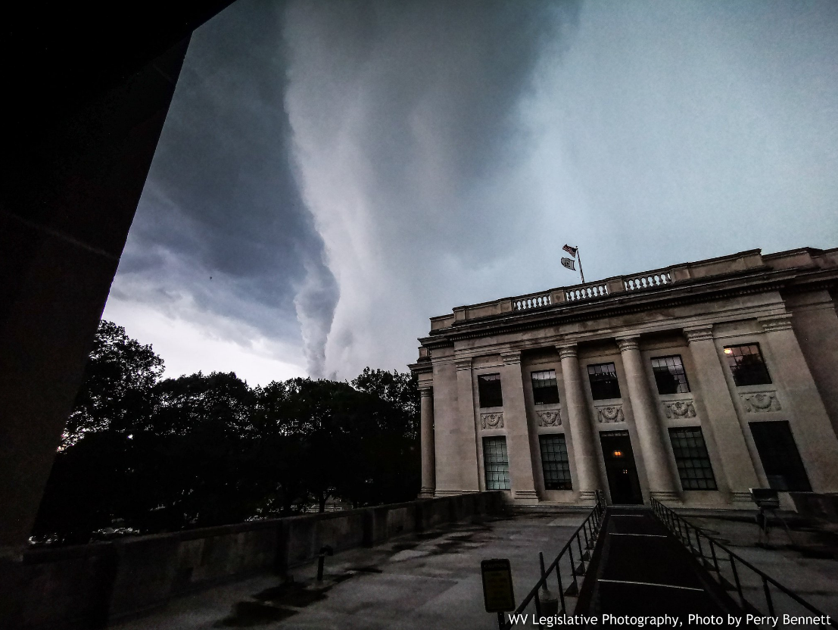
497, 585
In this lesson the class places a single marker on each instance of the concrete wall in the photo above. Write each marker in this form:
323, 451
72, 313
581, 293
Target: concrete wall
90, 585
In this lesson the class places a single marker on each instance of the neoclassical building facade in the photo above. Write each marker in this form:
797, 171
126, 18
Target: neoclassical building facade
690, 384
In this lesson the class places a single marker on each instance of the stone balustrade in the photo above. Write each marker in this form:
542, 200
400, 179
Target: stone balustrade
534, 300
586, 291
602, 289
648, 280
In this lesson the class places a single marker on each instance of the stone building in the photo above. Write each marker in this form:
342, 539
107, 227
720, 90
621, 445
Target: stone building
690, 384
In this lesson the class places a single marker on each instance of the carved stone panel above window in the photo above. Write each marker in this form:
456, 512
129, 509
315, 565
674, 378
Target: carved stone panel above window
679, 409
491, 420
610, 413
549, 418
761, 402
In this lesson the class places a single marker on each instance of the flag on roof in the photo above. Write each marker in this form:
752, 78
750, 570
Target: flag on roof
568, 262
570, 250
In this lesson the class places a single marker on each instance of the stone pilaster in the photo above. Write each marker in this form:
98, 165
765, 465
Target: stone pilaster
467, 457
653, 447
716, 405
817, 444
427, 441
579, 423
517, 430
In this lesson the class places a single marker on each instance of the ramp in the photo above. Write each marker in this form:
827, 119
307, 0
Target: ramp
639, 568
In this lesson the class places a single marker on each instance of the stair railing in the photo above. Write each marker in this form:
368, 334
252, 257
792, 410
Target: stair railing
737, 574
578, 564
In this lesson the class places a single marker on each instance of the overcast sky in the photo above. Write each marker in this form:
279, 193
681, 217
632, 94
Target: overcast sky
332, 174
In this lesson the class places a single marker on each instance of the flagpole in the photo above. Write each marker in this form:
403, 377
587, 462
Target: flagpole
579, 258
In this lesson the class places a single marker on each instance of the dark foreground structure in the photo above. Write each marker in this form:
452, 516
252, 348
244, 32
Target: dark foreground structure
88, 90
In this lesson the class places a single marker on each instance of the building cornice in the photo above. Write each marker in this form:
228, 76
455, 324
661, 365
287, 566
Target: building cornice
776, 322
683, 293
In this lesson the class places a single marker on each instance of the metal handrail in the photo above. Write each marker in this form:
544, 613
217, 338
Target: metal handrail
589, 529
680, 527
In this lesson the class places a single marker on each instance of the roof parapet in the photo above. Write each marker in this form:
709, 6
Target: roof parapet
631, 283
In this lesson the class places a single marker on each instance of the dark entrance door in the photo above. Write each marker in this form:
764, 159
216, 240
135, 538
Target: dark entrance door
620, 467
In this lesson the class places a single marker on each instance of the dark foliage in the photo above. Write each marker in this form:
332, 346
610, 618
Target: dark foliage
143, 455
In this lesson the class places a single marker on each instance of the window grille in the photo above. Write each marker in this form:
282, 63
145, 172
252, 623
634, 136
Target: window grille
692, 459
746, 365
780, 457
603, 378
496, 463
669, 375
545, 390
489, 390
554, 462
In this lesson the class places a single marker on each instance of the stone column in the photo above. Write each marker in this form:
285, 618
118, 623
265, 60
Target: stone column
581, 430
427, 441
716, 406
517, 430
653, 448
814, 435
467, 463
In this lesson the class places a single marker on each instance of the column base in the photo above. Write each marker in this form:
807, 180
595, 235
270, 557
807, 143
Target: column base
587, 496
665, 495
525, 496
426, 493
742, 496
452, 493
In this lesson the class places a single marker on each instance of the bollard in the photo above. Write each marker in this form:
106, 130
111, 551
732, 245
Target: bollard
325, 550
549, 602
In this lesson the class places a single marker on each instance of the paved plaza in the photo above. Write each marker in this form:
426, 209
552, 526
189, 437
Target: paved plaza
433, 580
427, 581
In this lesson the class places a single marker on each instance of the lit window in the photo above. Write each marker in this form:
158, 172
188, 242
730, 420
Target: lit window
488, 388
554, 462
544, 387
669, 375
692, 459
496, 463
746, 365
603, 378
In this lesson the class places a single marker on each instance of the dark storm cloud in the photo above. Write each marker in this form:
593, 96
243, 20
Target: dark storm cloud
442, 152
221, 224
406, 119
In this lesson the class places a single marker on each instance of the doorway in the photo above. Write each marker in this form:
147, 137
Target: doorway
620, 467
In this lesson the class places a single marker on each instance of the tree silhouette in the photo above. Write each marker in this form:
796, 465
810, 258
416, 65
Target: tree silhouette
144, 455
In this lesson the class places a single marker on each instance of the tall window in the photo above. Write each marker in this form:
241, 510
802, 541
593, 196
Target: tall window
746, 365
669, 375
488, 388
692, 459
544, 387
603, 379
496, 463
780, 458
554, 462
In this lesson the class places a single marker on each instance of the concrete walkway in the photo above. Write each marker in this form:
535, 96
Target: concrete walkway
641, 569
428, 581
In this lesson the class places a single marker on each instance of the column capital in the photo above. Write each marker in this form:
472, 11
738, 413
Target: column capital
462, 363
511, 357
426, 392
775, 322
699, 333
568, 352
628, 342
